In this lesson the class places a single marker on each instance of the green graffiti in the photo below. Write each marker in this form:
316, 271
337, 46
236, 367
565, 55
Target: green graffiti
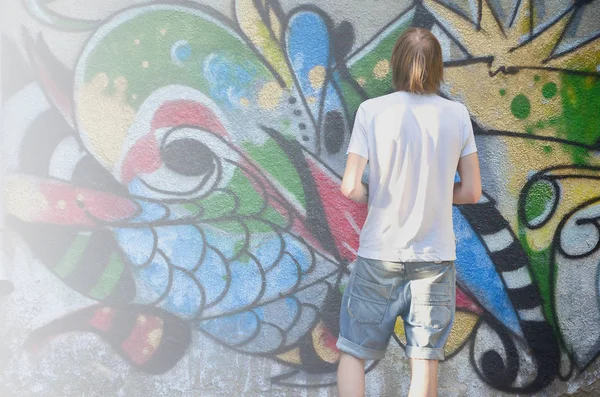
520, 107
146, 42
549, 90
110, 277
350, 96
274, 160
538, 204
216, 205
74, 254
540, 271
539, 199
579, 121
369, 70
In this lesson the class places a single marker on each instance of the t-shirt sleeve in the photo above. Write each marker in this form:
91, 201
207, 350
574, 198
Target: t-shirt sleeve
468, 139
358, 141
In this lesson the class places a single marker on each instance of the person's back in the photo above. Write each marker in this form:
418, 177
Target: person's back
415, 141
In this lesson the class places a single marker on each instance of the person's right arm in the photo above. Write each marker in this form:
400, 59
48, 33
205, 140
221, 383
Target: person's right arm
468, 190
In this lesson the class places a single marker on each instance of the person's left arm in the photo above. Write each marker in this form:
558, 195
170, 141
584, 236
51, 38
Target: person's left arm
352, 185
358, 155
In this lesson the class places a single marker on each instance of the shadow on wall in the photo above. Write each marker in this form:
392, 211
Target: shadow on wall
184, 174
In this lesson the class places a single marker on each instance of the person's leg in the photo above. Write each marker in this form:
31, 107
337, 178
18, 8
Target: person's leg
367, 318
428, 321
351, 376
423, 380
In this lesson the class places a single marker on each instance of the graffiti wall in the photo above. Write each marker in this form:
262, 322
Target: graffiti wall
173, 220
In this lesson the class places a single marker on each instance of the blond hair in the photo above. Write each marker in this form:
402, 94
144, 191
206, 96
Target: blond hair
417, 64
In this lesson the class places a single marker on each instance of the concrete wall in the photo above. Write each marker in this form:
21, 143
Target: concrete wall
172, 206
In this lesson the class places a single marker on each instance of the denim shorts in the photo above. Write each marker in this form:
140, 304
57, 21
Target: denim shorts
422, 293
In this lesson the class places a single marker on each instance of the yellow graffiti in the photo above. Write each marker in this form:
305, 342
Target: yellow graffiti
316, 76
503, 44
381, 69
154, 337
489, 91
520, 155
270, 95
325, 353
291, 356
579, 186
461, 330
265, 39
104, 135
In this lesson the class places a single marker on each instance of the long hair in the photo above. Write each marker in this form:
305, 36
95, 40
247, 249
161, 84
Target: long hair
417, 64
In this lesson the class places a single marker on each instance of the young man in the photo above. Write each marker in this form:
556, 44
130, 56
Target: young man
414, 141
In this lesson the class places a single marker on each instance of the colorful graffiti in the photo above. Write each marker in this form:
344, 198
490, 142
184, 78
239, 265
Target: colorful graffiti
184, 174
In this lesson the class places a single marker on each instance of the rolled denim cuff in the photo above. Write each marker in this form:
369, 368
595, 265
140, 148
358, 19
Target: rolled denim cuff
424, 353
358, 351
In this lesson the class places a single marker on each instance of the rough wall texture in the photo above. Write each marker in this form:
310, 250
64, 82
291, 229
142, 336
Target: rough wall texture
174, 225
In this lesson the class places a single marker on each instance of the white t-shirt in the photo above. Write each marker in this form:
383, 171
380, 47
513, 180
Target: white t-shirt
413, 144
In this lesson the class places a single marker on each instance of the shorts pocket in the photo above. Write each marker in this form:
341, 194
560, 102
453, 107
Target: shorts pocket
431, 304
368, 301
